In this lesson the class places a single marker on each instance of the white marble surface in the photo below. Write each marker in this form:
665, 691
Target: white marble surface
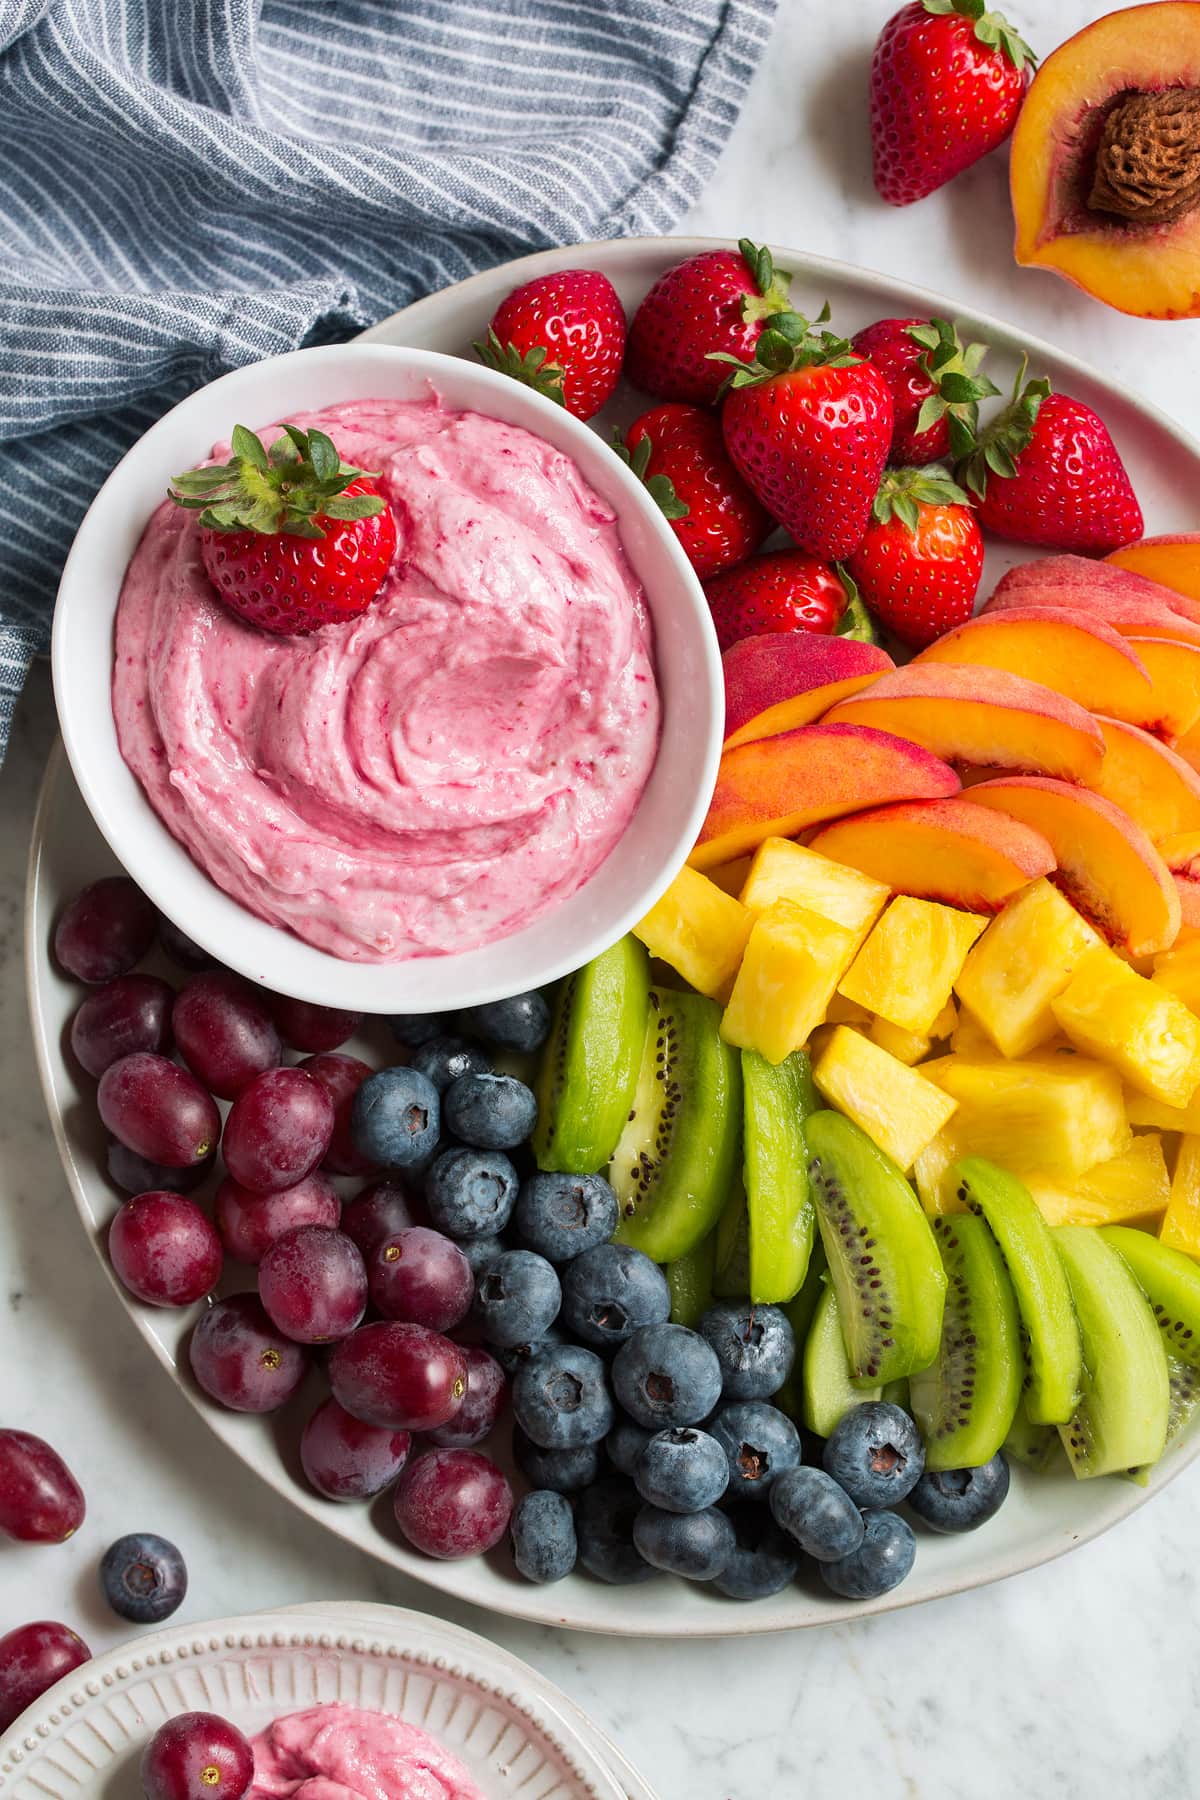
1077, 1679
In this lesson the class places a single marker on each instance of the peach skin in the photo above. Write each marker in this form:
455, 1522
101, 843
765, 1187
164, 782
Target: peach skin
1130, 614
1148, 781
1173, 562
1110, 576
784, 679
947, 850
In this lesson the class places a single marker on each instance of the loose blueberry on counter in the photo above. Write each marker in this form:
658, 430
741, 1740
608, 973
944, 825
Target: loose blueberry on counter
519, 1023
347, 1460
764, 1559
444, 1060
512, 1357
471, 1193
625, 1443
875, 1453
682, 1470
197, 1756
183, 951
143, 1577
414, 1029
105, 930
517, 1298
565, 1471
422, 1276
490, 1112
561, 1398
666, 1375
132, 1012
32, 1658
755, 1346
698, 1546
134, 1175
810, 1506
604, 1520
760, 1443
563, 1215
396, 1118
961, 1499
483, 1402
880, 1563
378, 1213
544, 1545
612, 1291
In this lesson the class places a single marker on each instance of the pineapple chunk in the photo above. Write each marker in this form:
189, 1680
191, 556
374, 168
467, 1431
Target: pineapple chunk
1181, 1221
1024, 959
1061, 1113
908, 965
1144, 1031
1179, 972
906, 1046
1140, 1110
969, 1039
730, 877
946, 1023
1132, 1188
933, 1172
897, 1108
846, 1012
699, 930
793, 962
782, 870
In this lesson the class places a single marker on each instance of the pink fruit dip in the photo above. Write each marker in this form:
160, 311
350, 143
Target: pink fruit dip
342, 1753
439, 771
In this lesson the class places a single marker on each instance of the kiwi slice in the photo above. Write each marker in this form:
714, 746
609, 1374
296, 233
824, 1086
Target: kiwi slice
1053, 1355
800, 1311
1171, 1282
965, 1403
826, 1387
777, 1099
896, 1393
590, 1063
731, 1261
1121, 1420
882, 1257
690, 1279
1036, 1446
676, 1157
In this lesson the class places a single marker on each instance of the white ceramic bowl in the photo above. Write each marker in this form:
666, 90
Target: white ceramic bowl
689, 675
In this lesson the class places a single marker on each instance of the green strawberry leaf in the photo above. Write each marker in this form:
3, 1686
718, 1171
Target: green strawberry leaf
660, 488
530, 368
997, 448
283, 489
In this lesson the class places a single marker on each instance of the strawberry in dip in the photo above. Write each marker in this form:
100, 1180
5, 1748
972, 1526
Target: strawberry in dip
343, 1753
438, 770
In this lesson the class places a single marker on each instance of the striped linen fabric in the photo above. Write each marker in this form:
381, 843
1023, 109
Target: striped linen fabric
189, 185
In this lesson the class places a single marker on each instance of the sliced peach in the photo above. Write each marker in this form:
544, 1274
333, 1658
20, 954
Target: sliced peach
1174, 562
1106, 864
944, 850
1188, 890
1181, 853
789, 678
1106, 577
1174, 669
779, 786
980, 715
1150, 783
1188, 746
1130, 614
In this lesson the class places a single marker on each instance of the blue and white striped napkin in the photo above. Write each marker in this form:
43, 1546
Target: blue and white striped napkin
188, 185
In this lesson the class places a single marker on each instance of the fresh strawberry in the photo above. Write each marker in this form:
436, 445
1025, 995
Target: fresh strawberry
947, 81
1046, 471
562, 334
918, 566
714, 302
935, 382
680, 454
808, 424
292, 538
781, 590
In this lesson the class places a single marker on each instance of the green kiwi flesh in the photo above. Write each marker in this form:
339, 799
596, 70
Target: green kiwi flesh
1036, 1446
777, 1098
826, 1388
675, 1160
731, 1263
590, 1062
966, 1402
800, 1311
1122, 1417
690, 1279
1051, 1331
881, 1252
1171, 1282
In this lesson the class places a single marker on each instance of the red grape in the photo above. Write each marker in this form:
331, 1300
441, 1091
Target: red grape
250, 1223
313, 1284
341, 1076
135, 1175
347, 1460
307, 1027
165, 1250
32, 1659
423, 1277
105, 930
132, 1012
378, 1213
224, 1032
40, 1500
398, 1375
182, 949
197, 1756
483, 1402
240, 1359
159, 1110
278, 1130
453, 1503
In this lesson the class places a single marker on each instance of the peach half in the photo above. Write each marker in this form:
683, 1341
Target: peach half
1174, 562
1103, 169
784, 679
946, 850
779, 786
982, 716
1106, 863
1148, 781
1107, 577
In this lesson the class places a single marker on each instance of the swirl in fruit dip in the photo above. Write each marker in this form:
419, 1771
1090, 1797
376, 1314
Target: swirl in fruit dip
343, 1753
438, 771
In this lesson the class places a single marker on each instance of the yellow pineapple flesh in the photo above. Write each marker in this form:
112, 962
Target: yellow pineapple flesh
969, 1039
897, 1108
1142, 1111
730, 877
946, 1023
933, 1171
1144, 1031
782, 870
1181, 1221
1178, 971
1130, 1189
1024, 960
841, 1011
791, 966
906, 969
1059, 1112
700, 931
906, 1046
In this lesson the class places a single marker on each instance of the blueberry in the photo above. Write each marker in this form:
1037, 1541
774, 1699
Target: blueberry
666, 1375
470, 1193
560, 1398
755, 1346
492, 1112
566, 1471
697, 1545
517, 1298
604, 1520
625, 1443
880, 1563
760, 1443
444, 1059
543, 1536
143, 1577
875, 1453
512, 1357
396, 1118
810, 1506
682, 1471
564, 1215
520, 1023
479, 1252
612, 1291
764, 1558
412, 1029
961, 1499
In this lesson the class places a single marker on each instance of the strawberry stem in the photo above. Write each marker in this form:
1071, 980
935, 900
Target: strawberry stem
660, 488
529, 367
991, 28
773, 284
903, 492
1003, 439
954, 369
788, 342
281, 490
